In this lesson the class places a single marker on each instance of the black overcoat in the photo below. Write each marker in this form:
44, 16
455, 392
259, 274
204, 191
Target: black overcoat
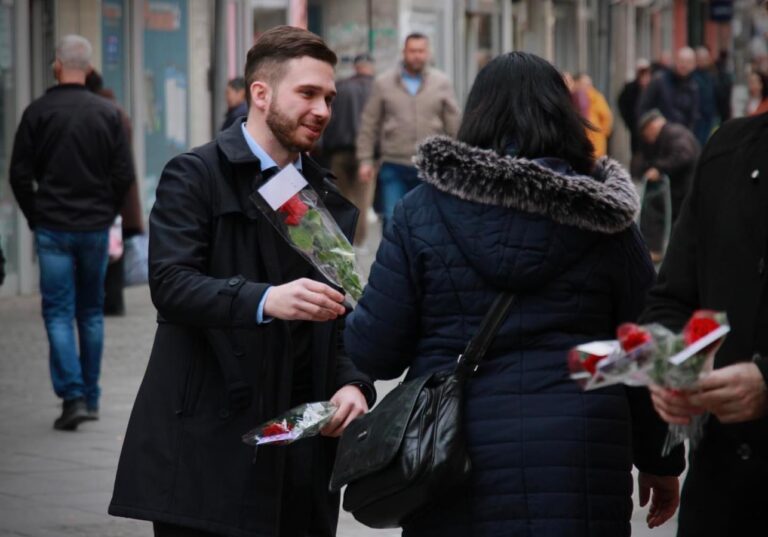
717, 260
214, 374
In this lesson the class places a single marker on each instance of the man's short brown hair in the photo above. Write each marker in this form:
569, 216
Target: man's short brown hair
274, 48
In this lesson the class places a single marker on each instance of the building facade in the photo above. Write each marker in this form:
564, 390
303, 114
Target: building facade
168, 61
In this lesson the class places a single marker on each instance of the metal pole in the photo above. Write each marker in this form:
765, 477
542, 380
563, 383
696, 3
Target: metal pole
369, 16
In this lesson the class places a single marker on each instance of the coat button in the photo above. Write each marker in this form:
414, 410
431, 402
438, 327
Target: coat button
744, 452
755, 174
761, 266
233, 282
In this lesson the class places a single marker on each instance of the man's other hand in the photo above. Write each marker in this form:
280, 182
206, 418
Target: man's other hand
734, 393
673, 406
304, 300
351, 404
664, 493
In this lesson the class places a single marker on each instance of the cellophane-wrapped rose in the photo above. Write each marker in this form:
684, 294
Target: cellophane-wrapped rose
647, 354
303, 421
696, 348
307, 225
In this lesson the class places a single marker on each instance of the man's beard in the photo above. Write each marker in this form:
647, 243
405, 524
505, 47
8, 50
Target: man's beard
284, 129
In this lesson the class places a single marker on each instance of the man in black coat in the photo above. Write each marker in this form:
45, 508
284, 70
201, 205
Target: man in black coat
70, 171
717, 260
246, 328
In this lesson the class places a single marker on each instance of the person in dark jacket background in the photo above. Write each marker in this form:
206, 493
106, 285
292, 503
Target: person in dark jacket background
630, 97
246, 330
667, 149
717, 260
710, 95
71, 168
519, 204
674, 92
237, 106
339, 139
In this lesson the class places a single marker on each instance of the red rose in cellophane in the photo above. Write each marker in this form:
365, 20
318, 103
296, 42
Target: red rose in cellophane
583, 361
276, 429
299, 422
701, 323
294, 209
632, 336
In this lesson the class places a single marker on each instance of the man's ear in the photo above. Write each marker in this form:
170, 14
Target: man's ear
261, 95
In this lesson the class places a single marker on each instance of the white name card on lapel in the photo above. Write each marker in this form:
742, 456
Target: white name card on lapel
282, 186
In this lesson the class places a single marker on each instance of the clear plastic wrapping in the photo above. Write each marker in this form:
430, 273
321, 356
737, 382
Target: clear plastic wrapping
303, 421
298, 214
643, 355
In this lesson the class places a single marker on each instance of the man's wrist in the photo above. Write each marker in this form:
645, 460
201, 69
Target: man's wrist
261, 317
368, 391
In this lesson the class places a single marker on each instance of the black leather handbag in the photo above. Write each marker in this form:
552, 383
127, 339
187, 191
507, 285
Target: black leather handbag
410, 449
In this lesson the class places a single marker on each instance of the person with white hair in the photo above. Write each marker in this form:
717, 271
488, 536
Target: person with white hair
70, 170
675, 92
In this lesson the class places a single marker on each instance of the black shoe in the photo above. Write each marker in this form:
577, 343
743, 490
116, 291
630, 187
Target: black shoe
73, 413
93, 414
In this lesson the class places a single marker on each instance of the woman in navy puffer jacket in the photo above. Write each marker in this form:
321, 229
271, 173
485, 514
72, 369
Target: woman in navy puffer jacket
519, 204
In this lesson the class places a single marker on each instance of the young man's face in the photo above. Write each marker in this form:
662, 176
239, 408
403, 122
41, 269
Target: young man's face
300, 106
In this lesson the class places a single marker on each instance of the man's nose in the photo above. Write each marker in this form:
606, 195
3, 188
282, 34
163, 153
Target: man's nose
322, 109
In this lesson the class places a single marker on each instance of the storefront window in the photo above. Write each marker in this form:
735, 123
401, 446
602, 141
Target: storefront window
166, 61
8, 234
113, 47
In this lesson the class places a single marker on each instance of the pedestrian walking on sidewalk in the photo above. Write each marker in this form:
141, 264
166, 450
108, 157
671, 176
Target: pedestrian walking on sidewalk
518, 204
246, 329
70, 171
407, 104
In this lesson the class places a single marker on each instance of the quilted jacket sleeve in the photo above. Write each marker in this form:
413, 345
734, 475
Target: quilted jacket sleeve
381, 334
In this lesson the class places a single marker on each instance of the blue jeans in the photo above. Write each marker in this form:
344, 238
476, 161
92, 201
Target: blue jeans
72, 269
395, 181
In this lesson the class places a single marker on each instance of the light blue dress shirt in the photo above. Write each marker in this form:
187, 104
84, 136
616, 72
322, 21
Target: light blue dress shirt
412, 82
266, 162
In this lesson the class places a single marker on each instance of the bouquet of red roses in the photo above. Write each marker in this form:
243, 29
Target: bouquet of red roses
299, 422
642, 355
296, 211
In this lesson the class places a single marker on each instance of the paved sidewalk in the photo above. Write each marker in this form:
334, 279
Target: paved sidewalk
55, 484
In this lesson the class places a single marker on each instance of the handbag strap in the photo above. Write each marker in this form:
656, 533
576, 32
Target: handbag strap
469, 360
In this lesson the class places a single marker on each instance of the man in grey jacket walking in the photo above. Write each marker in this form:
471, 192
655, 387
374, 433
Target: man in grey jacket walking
407, 104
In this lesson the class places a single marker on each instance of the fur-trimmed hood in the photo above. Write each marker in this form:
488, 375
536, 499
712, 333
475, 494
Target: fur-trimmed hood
607, 202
